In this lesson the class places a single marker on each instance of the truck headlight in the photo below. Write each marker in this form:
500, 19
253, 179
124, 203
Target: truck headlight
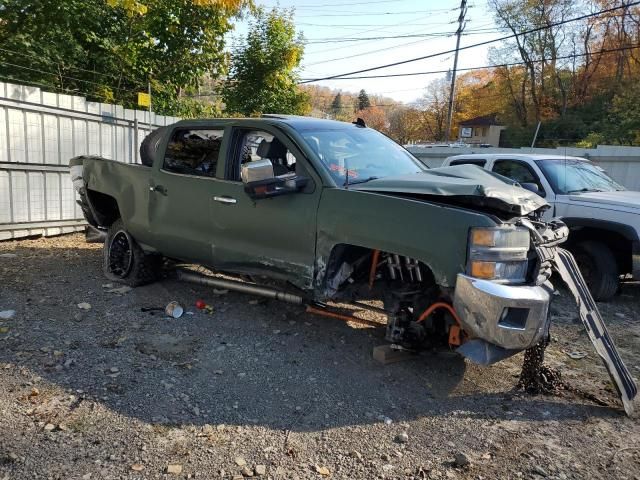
499, 253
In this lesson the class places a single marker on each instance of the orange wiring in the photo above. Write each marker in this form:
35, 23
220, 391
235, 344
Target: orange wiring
434, 307
374, 268
344, 318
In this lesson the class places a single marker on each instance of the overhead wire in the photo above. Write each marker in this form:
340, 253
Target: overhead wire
324, 5
485, 67
40, 58
466, 47
370, 52
63, 76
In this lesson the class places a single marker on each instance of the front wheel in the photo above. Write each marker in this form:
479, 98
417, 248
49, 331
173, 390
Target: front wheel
599, 268
124, 261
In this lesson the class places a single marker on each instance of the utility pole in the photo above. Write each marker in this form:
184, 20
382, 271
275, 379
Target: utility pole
452, 92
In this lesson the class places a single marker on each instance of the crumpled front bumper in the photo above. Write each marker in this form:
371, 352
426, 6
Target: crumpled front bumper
511, 317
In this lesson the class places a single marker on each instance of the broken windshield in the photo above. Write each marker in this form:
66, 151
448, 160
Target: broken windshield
575, 176
356, 155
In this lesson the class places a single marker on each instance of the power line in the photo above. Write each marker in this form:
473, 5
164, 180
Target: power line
311, 7
417, 35
45, 85
383, 25
366, 39
405, 44
366, 31
488, 42
53, 63
510, 64
64, 76
361, 14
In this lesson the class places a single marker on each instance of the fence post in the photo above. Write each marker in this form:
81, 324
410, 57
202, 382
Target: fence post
136, 149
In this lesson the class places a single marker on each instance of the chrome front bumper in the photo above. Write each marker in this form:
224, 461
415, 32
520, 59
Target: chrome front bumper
511, 317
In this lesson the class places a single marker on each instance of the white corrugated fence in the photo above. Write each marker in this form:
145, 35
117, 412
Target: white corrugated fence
39, 132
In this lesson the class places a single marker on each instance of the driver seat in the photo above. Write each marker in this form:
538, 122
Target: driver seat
275, 151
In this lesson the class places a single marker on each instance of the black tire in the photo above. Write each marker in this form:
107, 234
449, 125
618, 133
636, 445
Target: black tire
599, 268
125, 262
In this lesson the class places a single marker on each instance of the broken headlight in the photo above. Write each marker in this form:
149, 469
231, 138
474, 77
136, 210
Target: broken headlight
499, 253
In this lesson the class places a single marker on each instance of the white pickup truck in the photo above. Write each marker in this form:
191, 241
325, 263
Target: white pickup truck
604, 217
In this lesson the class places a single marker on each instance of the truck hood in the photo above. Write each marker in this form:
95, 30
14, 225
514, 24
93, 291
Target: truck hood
625, 199
464, 184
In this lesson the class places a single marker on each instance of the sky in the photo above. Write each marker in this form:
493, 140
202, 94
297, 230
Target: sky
326, 24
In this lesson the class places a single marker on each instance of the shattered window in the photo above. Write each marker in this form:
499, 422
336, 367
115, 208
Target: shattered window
194, 152
260, 145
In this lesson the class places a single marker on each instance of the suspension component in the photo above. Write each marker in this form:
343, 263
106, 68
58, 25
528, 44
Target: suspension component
403, 268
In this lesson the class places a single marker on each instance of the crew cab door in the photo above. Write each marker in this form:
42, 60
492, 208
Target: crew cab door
180, 191
275, 236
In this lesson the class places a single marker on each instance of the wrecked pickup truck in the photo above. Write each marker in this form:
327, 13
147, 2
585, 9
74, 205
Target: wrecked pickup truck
340, 214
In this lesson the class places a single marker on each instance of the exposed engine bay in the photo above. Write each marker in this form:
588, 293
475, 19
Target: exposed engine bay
423, 316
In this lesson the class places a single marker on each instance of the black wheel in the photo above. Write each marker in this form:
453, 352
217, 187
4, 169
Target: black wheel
599, 268
125, 262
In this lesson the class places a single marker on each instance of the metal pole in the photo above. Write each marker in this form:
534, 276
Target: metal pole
136, 150
535, 136
237, 286
452, 92
149, 91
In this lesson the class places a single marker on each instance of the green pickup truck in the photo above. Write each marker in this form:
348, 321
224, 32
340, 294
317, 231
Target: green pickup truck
333, 213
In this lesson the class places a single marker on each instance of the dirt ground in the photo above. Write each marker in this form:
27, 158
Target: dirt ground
262, 388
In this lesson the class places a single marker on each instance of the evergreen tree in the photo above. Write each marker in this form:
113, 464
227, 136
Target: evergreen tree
336, 105
363, 100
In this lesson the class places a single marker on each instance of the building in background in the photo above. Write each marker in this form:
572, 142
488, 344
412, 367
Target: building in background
483, 131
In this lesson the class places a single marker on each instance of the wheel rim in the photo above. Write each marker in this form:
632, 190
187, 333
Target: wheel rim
120, 254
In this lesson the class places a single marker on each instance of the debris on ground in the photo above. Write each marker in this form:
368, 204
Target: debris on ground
535, 377
7, 314
84, 306
120, 290
576, 355
175, 469
174, 309
324, 471
461, 460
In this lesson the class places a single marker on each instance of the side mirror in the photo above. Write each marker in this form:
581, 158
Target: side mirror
260, 182
532, 187
256, 171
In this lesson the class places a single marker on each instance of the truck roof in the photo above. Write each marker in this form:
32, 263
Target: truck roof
297, 122
516, 156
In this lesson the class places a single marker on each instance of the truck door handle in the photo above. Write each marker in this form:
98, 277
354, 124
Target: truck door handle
158, 188
227, 200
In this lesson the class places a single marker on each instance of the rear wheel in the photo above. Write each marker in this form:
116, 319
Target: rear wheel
125, 262
599, 268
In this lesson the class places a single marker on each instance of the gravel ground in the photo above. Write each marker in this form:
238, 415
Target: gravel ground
264, 389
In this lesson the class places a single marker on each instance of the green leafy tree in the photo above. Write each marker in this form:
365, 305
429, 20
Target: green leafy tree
263, 76
363, 100
108, 50
624, 117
